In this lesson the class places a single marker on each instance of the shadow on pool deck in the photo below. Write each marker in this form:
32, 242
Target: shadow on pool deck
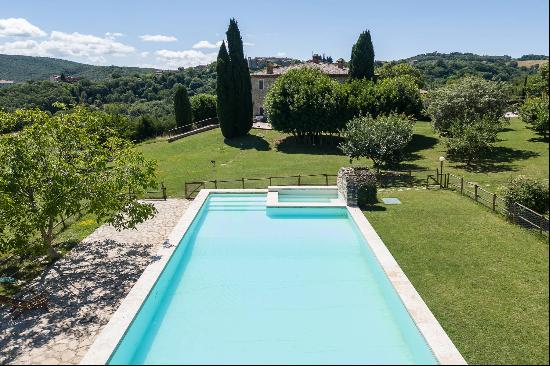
84, 289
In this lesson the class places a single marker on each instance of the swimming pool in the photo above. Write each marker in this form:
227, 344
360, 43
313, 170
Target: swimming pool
246, 286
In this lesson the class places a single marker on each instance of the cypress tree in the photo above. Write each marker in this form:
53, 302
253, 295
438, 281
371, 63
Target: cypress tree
361, 64
241, 84
226, 106
182, 107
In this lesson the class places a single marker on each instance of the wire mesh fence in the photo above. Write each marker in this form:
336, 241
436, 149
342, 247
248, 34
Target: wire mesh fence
516, 212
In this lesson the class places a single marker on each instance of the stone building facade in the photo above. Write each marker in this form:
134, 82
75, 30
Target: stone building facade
263, 79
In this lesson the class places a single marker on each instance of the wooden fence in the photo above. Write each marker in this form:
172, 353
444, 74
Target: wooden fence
516, 212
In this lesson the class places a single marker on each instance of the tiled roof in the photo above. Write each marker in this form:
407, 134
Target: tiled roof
331, 69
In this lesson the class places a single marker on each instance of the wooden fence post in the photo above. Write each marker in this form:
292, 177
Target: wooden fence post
494, 201
326, 179
270, 181
475, 191
216, 184
163, 188
243, 182
410, 178
299, 179
462, 185
186, 196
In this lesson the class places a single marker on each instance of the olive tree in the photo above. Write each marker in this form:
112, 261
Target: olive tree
399, 94
57, 166
471, 141
467, 100
382, 139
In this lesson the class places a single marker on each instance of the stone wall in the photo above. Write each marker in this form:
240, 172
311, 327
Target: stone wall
350, 180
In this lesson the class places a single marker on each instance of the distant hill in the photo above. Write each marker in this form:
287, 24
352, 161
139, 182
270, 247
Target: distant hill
24, 68
440, 67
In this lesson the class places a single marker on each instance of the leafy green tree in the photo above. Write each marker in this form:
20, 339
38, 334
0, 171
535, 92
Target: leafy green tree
182, 107
465, 101
226, 103
470, 142
534, 112
399, 94
242, 87
382, 139
304, 102
361, 64
537, 85
204, 106
358, 98
392, 69
59, 165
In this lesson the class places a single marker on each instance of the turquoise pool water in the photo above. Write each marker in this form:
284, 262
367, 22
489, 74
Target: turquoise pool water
298, 195
248, 286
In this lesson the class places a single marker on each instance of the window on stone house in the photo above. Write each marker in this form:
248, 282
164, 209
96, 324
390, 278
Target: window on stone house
260, 84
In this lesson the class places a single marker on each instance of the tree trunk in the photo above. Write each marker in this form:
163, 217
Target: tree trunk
47, 239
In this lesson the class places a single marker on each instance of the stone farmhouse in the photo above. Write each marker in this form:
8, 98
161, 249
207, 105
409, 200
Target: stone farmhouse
263, 79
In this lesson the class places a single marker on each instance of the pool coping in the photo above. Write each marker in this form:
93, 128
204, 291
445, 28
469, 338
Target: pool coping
108, 339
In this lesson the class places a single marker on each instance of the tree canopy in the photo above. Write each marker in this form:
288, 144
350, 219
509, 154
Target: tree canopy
59, 165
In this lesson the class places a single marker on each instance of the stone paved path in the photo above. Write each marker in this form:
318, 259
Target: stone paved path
84, 290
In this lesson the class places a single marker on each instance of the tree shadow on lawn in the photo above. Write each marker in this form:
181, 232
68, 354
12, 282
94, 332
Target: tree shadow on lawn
499, 159
539, 139
296, 145
421, 142
248, 142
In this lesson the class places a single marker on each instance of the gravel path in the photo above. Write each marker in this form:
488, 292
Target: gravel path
84, 289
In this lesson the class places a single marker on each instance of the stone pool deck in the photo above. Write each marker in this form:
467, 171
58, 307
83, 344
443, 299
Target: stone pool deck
84, 289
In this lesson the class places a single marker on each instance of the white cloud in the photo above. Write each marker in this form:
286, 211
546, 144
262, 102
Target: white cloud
87, 47
113, 35
206, 44
187, 58
19, 27
144, 54
157, 38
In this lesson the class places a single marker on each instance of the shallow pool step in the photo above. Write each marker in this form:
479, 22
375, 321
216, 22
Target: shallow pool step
238, 199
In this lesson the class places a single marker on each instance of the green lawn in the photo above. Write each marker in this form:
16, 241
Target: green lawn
260, 155
485, 280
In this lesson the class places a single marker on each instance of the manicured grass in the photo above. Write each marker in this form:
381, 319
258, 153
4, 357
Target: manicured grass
485, 280
257, 155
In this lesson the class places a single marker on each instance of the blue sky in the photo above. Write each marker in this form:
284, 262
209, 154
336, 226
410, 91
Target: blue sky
168, 34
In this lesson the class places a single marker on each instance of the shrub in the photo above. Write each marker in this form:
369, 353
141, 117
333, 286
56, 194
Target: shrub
382, 139
182, 107
303, 102
399, 94
470, 141
528, 192
534, 112
465, 101
204, 106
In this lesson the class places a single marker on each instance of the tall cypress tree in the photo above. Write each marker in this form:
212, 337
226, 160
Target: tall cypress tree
182, 107
226, 106
234, 86
361, 64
